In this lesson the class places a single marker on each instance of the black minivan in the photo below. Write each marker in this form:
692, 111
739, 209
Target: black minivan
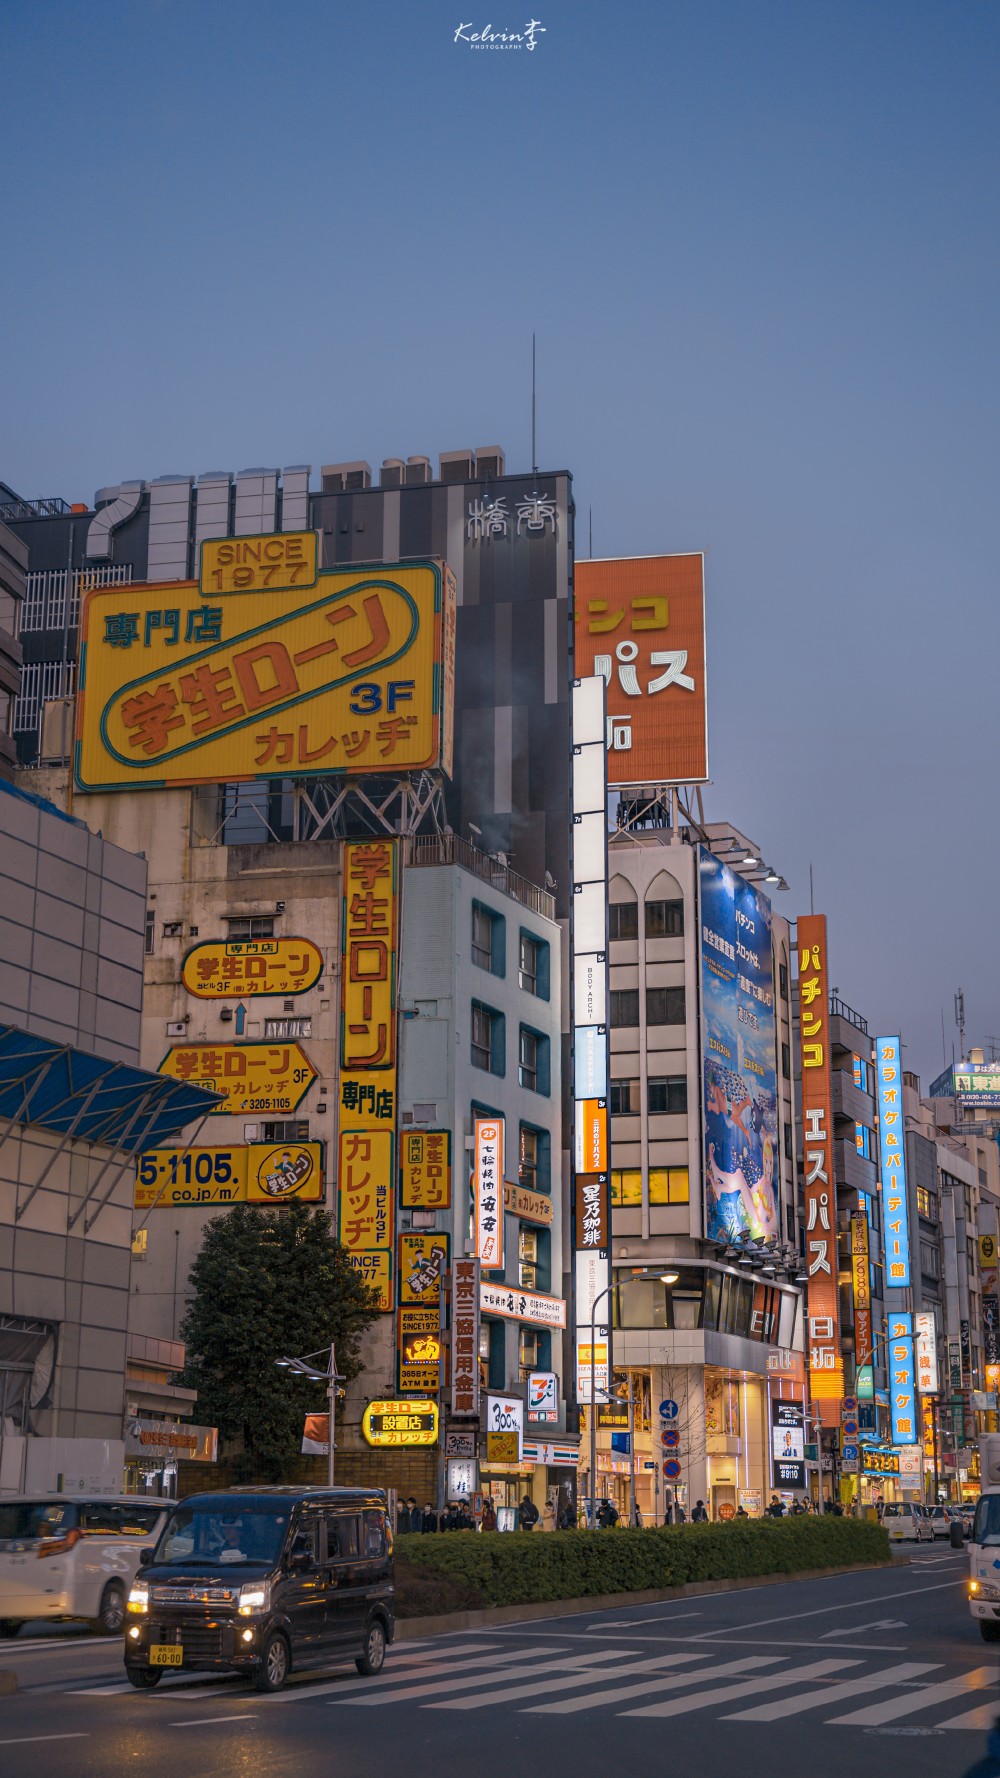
258, 1580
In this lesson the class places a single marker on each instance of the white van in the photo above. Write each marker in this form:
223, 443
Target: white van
984, 1566
72, 1557
907, 1519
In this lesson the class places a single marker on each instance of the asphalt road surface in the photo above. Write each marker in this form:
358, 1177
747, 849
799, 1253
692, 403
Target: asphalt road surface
865, 1673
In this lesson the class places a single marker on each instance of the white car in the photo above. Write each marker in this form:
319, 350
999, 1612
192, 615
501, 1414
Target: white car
907, 1520
941, 1518
63, 1557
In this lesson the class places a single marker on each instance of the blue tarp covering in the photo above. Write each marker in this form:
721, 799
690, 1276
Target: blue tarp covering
59, 1088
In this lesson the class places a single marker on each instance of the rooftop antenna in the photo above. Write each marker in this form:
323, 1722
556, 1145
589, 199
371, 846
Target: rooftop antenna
960, 1022
812, 904
590, 532
944, 1050
534, 453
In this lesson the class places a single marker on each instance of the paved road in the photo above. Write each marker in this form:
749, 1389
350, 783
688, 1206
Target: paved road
801, 1678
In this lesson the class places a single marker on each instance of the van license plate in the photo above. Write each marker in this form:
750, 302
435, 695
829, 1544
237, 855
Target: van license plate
165, 1654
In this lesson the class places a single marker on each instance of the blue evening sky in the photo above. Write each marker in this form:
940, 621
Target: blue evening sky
758, 243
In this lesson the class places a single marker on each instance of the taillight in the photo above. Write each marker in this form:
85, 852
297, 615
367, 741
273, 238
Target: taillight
57, 1546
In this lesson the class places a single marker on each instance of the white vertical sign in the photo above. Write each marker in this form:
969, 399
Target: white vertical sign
488, 1192
927, 1362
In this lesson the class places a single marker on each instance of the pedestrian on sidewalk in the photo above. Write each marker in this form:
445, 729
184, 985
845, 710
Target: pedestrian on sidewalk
429, 1519
700, 1514
489, 1518
527, 1514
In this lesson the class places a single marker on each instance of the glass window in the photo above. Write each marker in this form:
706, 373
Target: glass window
664, 919
534, 1170
138, 1521
860, 1072
626, 1188
624, 1006
488, 1039
669, 1185
667, 1094
221, 1532
258, 926
341, 1536
624, 1097
374, 1533
100, 1515
623, 920
712, 1297
863, 1140
488, 935
786, 1060
533, 1060
533, 966
783, 980
664, 1006
25, 1521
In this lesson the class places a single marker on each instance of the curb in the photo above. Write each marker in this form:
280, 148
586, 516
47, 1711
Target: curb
408, 1628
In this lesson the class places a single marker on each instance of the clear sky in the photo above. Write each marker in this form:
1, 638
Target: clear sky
758, 243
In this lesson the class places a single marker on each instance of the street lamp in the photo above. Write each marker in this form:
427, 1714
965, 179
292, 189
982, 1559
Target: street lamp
331, 1377
616, 1284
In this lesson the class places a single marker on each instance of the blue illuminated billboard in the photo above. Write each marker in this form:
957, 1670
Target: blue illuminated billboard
739, 1065
902, 1378
892, 1147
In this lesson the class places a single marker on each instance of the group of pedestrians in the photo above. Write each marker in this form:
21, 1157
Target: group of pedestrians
455, 1517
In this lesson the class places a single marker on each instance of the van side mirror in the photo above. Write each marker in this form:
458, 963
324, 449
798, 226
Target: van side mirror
145, 1558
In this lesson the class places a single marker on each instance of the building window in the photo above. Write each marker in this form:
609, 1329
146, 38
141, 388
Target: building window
783, 980
930, 1260
787, 1132
533, 1060
926, 1204
624, 1098
863, 1140
664, 919
624, 1006
296, 1130
626, 1188
488, 935
860, 1073
669, 1185
533, 966
623, 919
488, 1039
786, 1061
667, 1095
527, 1259
534, 1164
664, 1006
241, 931
150, 938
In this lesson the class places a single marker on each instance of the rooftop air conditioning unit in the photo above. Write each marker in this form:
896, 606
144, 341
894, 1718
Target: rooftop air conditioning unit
392, 472
418, 471
489, 462
346, 478
458, 466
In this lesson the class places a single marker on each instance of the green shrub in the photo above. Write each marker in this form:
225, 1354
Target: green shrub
520, 1568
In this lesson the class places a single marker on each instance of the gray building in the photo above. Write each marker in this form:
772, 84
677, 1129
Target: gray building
13, 562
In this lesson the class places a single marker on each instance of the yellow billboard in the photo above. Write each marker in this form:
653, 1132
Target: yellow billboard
259, 1173
400, 1423
273, 562
425, 1170
423, 1262
376, 1270
256, 966
366, 1195
342, 679
263, 1077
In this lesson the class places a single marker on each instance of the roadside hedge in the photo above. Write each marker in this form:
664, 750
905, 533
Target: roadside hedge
460, 1569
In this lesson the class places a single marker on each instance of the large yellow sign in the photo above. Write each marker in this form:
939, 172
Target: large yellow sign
344, 679
256, 564
376, 1270
262, 1173
258, 966
263, 1077
400, 1422
366, 1190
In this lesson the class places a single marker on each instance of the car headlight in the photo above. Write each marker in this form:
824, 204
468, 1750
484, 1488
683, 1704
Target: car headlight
138, 1598
255, 1597
984, 1590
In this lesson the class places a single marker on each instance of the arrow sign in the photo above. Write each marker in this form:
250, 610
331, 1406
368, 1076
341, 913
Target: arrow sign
241, 1018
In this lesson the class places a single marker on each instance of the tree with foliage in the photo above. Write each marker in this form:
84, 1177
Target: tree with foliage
269, 1284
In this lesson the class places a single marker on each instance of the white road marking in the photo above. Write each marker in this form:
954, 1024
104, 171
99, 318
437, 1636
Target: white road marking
978, 1679
848, 1688
24, 1740
573, 1706
504, 1694
848, 1605
581, 1663
885, 1623
442, 1669
196, 1722
767, 1683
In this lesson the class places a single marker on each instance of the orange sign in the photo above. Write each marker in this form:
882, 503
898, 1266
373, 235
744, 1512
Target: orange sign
591, 1136
826, 1370
256, 966
640, 624
368, 987
366, 1190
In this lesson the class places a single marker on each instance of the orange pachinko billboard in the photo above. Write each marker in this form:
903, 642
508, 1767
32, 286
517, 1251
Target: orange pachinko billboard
640, 625
188, 683
826, 1371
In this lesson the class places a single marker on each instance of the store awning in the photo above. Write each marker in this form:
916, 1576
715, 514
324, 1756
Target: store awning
87, 1098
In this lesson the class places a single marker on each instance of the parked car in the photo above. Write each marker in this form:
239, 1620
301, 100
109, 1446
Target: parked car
72, 1557
261, 1580
942, 1518
906, 1519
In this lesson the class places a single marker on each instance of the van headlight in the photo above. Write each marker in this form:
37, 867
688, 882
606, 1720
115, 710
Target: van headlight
138, 1598
255, 1597
984, 1590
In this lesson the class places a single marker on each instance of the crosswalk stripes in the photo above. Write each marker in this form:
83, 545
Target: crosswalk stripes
506, 1695
922, 1699
573, 1706
832, 1694
766, 1683
582, 1663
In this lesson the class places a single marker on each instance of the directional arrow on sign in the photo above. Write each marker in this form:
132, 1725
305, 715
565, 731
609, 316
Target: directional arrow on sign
241, 1018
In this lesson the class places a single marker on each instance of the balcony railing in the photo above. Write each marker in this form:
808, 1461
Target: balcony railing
450, 848
840, 1009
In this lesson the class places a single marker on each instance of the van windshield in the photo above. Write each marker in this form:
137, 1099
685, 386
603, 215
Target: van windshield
26, 1521
986, 1524
215, 1534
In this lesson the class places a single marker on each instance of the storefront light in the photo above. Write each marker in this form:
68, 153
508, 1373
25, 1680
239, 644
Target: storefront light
669, 1277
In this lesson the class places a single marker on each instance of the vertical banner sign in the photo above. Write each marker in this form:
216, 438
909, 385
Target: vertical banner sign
465, 1339
739, 1055
861, 1278
926, 1351
902, 1381
892, 1146
367, 1142
788, 1448
488, 1192
826, 1371
589, 946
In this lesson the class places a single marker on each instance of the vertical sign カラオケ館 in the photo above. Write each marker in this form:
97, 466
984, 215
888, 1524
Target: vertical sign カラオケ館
892, 1148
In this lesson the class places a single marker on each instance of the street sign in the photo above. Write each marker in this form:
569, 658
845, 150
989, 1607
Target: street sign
669, 1438
850, 1453
671, 1469
850, 1429
669, 1410
849, 1405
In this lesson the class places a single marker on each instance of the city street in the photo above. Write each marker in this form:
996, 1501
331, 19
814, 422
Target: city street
739, 1682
